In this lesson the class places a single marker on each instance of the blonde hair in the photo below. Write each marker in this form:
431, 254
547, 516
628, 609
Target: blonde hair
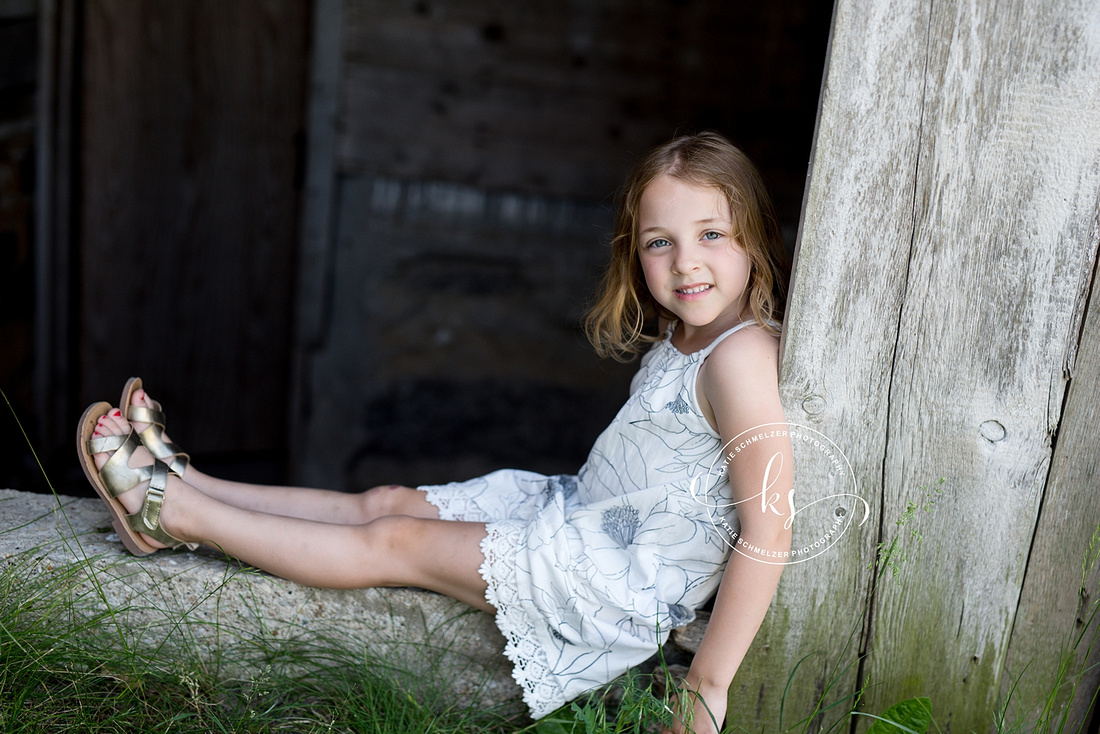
624, 304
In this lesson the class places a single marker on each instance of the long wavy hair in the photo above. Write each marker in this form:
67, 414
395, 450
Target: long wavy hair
615, 324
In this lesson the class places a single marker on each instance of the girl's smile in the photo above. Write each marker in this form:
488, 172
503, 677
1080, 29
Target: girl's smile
692, 264
692, 292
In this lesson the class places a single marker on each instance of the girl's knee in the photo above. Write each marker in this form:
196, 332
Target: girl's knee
395, 499
397, 535
383, 500
402, 550
391, 545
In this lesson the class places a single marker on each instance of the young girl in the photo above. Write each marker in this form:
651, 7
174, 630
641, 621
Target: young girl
586, 574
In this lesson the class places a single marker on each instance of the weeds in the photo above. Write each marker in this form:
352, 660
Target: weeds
59, 671
1053, 718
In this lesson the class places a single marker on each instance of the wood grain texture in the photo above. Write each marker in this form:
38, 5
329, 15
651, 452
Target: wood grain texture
947, 245
188, 217
1061, 588
1002, 252
839, 346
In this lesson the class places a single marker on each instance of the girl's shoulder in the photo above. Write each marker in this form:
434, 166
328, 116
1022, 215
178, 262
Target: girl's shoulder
745, 363
738, 384
750, 346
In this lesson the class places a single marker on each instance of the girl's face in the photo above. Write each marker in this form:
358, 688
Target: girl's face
692, 264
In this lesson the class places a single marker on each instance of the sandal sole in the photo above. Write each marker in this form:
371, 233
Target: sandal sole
84, 431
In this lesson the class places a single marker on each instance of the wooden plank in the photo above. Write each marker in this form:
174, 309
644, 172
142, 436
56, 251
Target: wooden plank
458, 349
10, 9
494, 95
53, 392
318, 232
1059, 593
838, 348
1002, 252
318, 228
189, 160
559, 98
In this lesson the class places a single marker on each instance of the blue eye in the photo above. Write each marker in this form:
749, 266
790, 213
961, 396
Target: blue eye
712, 235
659, 243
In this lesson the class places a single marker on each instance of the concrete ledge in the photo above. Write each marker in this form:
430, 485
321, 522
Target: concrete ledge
204, 607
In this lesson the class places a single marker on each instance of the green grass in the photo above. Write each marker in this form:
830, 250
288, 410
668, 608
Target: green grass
64, 666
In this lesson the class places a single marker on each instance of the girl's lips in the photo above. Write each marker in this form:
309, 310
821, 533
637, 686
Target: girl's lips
693, 292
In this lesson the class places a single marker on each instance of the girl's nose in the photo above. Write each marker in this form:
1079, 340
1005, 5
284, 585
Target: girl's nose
685, 261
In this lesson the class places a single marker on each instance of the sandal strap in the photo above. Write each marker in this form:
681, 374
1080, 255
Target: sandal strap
117, 474
153, 438
105, 443
141, 414
147, 520
170, 453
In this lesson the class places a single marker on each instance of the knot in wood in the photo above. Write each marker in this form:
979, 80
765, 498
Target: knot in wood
992, 431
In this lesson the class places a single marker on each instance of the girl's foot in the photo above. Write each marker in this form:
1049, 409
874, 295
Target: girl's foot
134, 500
147, 418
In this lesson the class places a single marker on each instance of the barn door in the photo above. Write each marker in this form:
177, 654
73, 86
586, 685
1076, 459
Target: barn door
185, 123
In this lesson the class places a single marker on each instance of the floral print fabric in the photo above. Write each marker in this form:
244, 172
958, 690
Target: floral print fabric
588, 573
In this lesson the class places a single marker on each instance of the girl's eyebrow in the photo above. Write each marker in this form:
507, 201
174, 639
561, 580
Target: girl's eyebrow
658, 228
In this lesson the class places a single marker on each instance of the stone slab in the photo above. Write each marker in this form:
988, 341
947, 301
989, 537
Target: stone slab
213, 610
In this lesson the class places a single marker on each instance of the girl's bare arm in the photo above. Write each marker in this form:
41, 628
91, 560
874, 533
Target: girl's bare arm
739, 388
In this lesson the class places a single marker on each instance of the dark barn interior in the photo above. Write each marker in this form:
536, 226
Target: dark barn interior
351, 242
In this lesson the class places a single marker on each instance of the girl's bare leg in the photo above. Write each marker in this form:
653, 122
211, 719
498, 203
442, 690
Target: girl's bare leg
323, 505
397, 550
310, 504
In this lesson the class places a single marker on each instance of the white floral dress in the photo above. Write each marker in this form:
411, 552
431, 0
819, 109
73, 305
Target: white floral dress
588, 573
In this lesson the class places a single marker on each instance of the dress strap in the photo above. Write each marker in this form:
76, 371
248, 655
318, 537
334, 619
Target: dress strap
705, 351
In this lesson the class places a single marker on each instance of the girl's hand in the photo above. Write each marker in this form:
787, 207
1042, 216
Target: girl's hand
702, 705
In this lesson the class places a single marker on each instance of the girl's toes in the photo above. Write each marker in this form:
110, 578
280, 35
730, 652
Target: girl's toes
109, 424
141, 399
114, 424
158, 442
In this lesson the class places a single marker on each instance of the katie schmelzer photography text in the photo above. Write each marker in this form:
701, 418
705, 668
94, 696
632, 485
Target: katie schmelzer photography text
823, 497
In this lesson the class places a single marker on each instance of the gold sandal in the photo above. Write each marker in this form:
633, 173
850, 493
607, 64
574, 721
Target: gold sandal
153, 436
117, 476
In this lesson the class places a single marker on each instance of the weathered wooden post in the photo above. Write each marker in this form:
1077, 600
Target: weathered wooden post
940, 325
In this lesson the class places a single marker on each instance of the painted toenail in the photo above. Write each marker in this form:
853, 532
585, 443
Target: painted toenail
117, 413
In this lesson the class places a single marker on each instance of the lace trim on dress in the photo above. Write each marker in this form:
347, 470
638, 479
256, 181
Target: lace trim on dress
454, 505
541, 691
